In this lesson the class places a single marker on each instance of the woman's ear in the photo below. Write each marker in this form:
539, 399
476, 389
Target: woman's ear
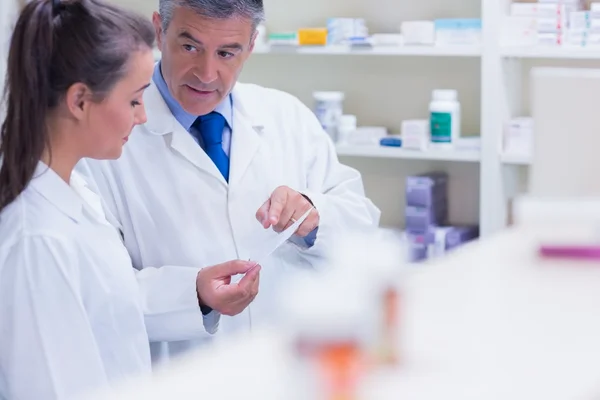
77, 98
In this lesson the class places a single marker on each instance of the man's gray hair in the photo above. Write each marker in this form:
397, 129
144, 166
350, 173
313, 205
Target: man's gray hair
217, 9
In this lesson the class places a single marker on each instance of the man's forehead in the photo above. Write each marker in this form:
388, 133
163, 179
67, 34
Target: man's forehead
187, 14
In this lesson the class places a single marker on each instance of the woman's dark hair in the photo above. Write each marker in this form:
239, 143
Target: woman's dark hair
56, 44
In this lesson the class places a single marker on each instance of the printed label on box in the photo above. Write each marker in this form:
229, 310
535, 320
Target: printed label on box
441, 127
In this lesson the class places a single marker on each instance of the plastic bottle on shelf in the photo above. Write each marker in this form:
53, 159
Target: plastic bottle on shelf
347, 125
329, 109
444, 118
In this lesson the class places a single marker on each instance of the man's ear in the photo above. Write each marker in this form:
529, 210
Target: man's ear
253, 40
77, 99
157, 22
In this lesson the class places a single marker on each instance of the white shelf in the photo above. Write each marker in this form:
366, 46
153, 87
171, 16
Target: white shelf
399, 153
510, 159
432, 51
559, 52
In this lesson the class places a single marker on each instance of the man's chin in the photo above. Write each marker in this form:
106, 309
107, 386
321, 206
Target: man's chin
199, 103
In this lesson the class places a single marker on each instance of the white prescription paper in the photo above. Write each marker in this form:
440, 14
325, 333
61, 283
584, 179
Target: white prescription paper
267, 248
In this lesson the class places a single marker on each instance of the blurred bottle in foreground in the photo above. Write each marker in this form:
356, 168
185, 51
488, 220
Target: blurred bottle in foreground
344, 323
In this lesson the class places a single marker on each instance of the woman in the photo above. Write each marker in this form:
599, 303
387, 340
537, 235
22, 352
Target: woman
71, 319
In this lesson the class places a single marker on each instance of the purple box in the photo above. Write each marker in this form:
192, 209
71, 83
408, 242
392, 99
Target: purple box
426, 190
421, 219
460, 235
448, 238
418, 245
437, 241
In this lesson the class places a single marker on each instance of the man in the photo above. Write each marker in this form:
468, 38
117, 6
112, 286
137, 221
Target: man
216, 156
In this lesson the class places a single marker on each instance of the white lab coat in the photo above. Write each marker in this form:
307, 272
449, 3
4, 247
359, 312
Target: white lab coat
71, 310
175, 208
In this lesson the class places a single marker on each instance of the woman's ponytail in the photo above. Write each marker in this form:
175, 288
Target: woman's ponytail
23, 135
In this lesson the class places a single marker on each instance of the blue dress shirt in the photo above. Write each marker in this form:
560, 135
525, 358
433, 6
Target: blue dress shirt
225, 108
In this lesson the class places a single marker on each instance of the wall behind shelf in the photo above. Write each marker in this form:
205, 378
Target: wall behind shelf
382, 90
382, 15
385, 184
379, 90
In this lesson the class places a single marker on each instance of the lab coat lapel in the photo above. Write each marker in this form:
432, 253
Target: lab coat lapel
246, 137
183, 143
162, 122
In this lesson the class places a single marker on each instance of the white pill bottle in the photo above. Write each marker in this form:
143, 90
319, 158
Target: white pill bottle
444, 118
329, 109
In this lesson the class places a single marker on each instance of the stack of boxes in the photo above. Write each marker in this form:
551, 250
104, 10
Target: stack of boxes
545, 22
426, 207
427, 217
345, 30
442, 32
584, 27
453, 32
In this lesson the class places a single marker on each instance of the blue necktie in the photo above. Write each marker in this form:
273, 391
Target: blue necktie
211, 128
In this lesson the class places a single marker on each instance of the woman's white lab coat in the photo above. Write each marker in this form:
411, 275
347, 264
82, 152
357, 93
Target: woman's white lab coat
175, 208
71, 309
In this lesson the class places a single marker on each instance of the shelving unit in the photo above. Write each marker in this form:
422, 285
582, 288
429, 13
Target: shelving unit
384, 85
422, 51
509, 159
469, 156
556, 53
507, 73
405, 51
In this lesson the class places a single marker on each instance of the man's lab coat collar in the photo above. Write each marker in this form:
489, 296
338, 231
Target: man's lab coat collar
161, 121
51, 186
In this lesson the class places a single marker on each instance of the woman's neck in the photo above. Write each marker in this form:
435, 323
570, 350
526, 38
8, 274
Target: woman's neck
62, 166
61, 155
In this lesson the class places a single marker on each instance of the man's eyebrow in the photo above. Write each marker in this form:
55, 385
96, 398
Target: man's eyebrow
229, 46
232, 46
187, 35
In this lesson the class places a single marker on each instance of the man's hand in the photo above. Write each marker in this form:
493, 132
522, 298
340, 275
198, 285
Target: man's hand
216, 291
284, 208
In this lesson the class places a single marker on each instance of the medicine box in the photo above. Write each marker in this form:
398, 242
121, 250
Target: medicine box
438, 241
418, 32
543, 10
312, 36
450, 32
448, 238
418, 245
415, 134
518, 31
594, 10
426, 190
283, 39
420, 219
550, 39
518, 136
340, 30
